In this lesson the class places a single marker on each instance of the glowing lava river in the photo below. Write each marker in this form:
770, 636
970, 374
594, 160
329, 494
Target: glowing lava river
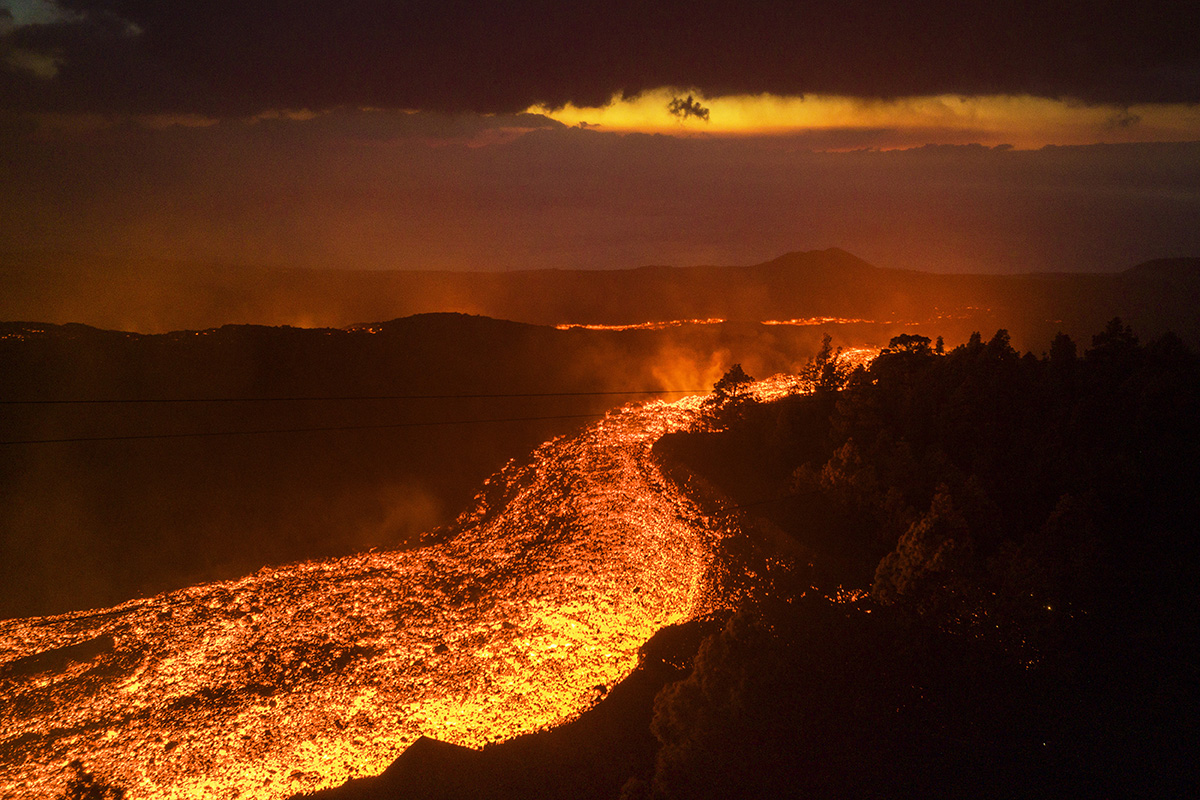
300, 677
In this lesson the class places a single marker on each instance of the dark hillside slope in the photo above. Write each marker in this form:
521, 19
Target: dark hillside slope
1025, 529
89, 523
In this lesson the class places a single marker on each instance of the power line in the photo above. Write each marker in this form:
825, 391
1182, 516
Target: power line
342, 398
206, 434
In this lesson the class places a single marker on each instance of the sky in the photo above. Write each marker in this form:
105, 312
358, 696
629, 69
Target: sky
479, 135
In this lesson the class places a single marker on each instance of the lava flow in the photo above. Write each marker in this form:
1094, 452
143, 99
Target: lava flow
639, 326
303, 676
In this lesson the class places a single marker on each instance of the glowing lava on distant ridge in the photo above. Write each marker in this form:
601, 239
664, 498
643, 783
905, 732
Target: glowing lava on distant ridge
638, 326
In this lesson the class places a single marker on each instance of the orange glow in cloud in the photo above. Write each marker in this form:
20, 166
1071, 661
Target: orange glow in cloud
1022, 121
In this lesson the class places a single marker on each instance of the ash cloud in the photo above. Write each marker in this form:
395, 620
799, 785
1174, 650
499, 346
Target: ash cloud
226, 58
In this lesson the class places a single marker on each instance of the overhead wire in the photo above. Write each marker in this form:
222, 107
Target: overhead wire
328, 428
342, 398
262, 431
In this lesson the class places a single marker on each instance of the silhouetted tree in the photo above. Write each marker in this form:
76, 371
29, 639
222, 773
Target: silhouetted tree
734, 379
728, 399
1062, 351
825, 369
909, 343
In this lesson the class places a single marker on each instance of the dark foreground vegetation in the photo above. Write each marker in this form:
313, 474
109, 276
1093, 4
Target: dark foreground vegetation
1026, 528
960, 574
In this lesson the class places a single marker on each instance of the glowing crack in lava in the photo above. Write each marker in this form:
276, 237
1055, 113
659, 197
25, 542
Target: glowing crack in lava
300, 677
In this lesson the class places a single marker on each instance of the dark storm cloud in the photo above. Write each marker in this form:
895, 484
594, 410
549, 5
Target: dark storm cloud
405, 191
242, 56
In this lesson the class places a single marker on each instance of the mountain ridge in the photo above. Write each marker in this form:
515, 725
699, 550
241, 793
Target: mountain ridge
818, 286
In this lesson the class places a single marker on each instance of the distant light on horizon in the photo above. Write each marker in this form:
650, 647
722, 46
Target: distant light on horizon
1020, 121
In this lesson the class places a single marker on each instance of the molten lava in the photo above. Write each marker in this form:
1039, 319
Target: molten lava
805, 321
639, 326
300, 677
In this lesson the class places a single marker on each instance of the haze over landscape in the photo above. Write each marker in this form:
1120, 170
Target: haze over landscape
534, 136
598, 399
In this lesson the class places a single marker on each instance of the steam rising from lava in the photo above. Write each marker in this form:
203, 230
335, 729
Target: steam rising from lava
304, 676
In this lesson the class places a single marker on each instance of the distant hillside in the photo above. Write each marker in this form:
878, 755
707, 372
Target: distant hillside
159, 296
162, 296
1181, 268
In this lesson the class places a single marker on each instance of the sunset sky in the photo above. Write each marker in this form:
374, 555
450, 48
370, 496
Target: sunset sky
541, 134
